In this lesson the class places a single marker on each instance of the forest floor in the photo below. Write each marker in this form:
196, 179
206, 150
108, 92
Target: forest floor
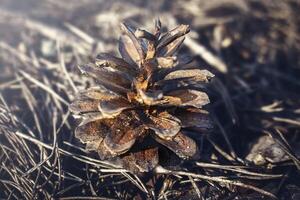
251, 46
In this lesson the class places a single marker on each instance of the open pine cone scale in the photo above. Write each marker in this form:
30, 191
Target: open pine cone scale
148, 92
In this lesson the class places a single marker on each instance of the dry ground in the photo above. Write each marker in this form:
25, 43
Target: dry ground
251, 46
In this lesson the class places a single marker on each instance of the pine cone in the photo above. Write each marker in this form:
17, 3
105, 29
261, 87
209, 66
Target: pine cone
149, 92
